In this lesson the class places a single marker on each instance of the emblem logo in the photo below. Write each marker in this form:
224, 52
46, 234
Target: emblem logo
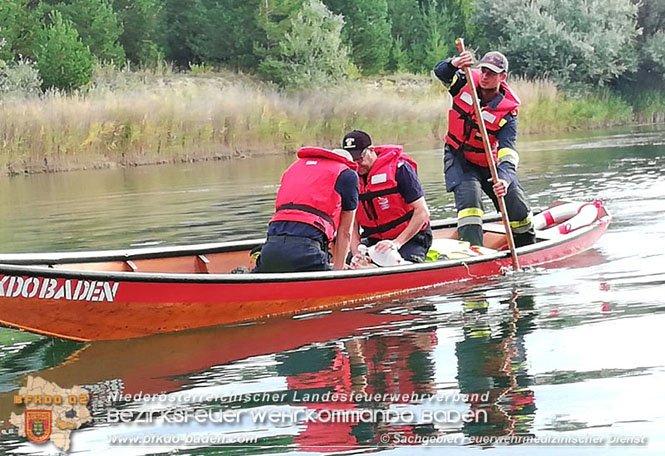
384, 204
38, 425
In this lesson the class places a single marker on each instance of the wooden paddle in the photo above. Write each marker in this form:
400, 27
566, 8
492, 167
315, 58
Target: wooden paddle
490, 158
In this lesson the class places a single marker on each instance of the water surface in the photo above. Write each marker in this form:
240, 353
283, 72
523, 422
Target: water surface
573, 351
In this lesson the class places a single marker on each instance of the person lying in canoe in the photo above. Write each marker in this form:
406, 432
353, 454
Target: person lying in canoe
466, 169
316, 204
393, 213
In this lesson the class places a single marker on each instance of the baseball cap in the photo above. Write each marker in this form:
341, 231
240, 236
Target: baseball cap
355, 142
494, 61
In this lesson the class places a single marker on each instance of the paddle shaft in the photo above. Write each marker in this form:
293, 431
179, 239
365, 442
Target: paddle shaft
490, 157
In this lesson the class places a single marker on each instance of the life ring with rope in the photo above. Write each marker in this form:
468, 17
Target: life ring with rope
567, 217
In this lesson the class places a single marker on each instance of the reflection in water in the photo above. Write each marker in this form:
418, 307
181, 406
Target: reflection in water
377, 360
24, 358
492, 362
372, 373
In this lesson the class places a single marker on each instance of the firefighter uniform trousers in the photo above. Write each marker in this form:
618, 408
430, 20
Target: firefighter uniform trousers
468, 181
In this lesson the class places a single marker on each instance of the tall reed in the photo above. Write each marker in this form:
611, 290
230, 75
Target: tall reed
130, 118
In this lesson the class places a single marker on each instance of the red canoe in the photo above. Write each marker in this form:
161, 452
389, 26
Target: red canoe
133, 293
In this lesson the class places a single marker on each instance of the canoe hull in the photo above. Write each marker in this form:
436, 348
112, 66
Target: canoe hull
89, 305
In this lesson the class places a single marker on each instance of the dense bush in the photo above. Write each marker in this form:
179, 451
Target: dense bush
577, 44
573, 42
20, 78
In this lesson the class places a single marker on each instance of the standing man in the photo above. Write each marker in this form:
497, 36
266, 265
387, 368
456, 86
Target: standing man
316, 204
393, 213
465, 164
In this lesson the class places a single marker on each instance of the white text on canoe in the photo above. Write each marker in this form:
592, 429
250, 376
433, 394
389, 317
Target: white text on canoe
46, 288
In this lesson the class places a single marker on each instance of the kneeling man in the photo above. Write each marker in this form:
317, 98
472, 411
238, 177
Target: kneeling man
393, 213
316, 204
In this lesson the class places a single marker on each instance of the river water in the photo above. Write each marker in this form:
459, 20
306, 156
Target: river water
568, 359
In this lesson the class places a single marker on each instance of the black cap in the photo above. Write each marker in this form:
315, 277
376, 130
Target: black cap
355, 142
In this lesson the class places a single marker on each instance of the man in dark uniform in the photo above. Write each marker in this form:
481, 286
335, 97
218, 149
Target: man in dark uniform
315, 205
466, 168
393, 213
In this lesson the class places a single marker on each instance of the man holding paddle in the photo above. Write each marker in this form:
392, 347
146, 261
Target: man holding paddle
466, 166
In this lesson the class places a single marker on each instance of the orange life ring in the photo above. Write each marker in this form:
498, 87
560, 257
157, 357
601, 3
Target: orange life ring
564, 218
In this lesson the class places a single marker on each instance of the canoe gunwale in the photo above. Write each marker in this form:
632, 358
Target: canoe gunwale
129, 254
128, 276
162, 252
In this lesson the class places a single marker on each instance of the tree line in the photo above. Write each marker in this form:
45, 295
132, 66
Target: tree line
48, 44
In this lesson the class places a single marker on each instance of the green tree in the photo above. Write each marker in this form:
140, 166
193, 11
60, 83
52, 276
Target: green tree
440, 34
9, 27
274, 20
463, 24
408, 26
366, 31
591, 42
651, 19
98, 27
183, 31
140, 23
231, 33
428, 28
310, 53
399, 57
274, 17
18, 24
64, 62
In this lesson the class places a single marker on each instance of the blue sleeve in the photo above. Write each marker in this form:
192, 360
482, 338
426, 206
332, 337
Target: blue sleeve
445, 71
347, 187
507, 172
507, 137
408, 183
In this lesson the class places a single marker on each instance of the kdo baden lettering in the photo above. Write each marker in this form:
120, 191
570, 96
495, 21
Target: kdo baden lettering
47, 288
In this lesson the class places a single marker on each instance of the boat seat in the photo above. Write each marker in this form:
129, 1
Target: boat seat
202, 264
499, 229
545, 236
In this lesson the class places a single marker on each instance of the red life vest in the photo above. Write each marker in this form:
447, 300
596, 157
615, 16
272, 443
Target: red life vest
462, 123
307, 191
384, 214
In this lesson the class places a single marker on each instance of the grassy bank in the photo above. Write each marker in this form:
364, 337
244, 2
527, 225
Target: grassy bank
132, 118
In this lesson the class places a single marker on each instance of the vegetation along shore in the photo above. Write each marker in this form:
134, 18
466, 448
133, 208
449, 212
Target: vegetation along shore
268, 76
